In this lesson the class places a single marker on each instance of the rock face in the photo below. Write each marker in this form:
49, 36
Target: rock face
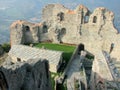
95, 30
30, 75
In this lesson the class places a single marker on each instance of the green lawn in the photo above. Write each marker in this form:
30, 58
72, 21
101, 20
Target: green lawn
67, 50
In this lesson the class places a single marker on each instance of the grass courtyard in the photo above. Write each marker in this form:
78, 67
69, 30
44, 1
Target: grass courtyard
67, 49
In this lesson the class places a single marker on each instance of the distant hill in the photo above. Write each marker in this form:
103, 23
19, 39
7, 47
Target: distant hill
30, 10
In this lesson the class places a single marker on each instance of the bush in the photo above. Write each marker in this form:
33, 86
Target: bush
6, 47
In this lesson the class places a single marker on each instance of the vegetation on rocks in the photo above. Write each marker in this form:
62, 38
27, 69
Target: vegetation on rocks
6, 47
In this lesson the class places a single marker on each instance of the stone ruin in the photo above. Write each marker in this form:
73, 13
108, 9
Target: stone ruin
62, 25
29, 75
95, 30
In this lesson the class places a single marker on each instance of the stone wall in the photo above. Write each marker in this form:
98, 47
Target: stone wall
23, 32
30, 75
62, 25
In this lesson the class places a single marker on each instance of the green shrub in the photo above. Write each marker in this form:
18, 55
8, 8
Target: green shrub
6, 47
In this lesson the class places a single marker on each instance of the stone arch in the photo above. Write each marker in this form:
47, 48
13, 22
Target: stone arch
45, 29
61, 34
3, 82
63, 31
27, 28
28, 38
60, 16
94, 19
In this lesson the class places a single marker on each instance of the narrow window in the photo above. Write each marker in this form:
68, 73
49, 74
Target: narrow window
45, 29
94, 19
60, 16
63, 31
86, 19
27, 28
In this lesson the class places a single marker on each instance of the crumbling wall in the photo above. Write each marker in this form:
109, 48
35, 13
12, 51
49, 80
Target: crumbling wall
30, 75
62, 25
22, 32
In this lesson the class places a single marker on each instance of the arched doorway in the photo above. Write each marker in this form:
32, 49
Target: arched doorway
45, 29
94, 19
27, 35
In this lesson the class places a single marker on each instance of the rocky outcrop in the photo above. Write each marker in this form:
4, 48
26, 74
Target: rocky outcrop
30, 75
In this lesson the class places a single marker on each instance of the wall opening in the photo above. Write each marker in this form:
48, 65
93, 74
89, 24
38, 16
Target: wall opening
80, 48
86, 19
27, 28
63, 31
61, 34
18, 59
45, 29
94, 19
111, 47
28, 38
60, 16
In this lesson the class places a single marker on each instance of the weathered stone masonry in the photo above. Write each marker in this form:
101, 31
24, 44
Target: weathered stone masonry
59, 24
